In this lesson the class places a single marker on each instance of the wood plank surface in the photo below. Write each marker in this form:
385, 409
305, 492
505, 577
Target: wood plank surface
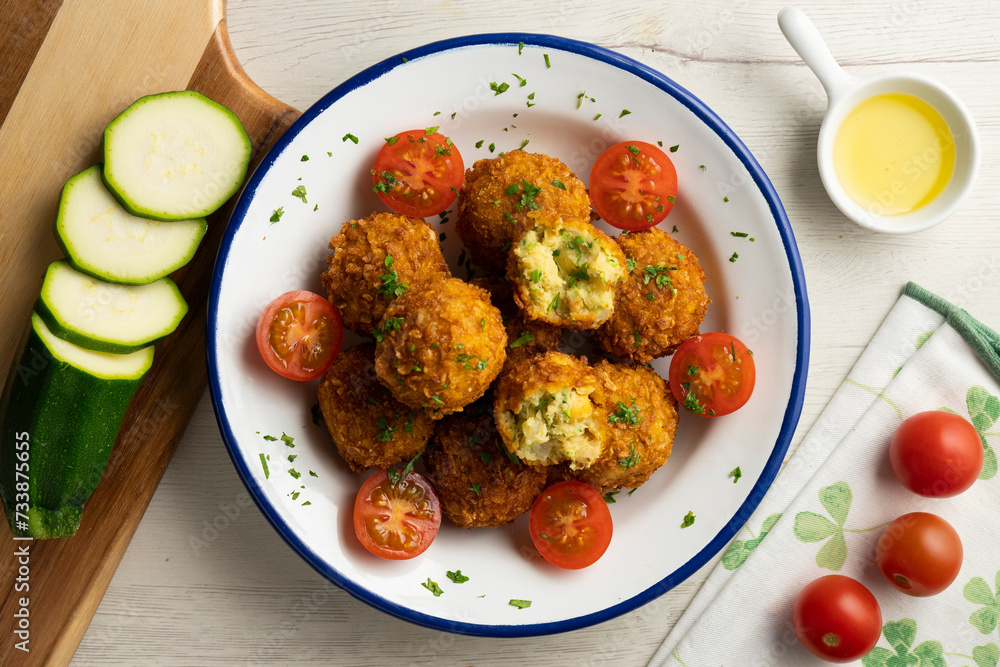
93, 60
207, 581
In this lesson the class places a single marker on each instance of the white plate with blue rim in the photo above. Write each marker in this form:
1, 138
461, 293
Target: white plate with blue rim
760, 298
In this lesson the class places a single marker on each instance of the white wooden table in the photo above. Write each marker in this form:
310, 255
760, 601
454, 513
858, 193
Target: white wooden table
187, 593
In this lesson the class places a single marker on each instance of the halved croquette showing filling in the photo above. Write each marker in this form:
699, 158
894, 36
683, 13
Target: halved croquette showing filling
565, 272
549, 410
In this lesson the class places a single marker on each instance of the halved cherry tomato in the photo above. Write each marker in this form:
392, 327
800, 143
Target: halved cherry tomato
396, 520
570, 525
633, 185
937, 454
712, 374
418, 174
837, 618
919, 553
299, 335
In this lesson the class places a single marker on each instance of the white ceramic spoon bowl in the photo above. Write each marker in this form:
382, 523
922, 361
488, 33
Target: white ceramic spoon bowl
845, 92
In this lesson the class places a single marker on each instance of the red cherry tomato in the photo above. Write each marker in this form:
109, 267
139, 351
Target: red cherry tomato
299, 335
570, 524
396, 520
937, 454
837, 618
633, 185
712, 374
418, 174
920, 554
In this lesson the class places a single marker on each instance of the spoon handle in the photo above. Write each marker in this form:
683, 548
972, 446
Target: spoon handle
808, 43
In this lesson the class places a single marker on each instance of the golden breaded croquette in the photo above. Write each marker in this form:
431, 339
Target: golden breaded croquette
480, 484
525, 338
498, 193
661, 303
438, 349
565, 272
376, 259
642, 420
550, 409
369, 427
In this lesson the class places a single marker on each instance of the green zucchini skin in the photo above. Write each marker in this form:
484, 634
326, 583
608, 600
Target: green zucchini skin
70, 419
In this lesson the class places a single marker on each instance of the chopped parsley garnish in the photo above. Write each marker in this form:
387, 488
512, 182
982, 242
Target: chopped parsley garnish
520, 47
485, 456
263, 463
441, 150
305, 158
632, 459
692, 370
433, 587
437, 399
300, 192
522, 604
391, 140
457, 576
350, 137
292, 457
547, 63
384, 431
523, 339
396, 476
579, 274
295, 495
624, 113
741, 235
626, 414
528, 193
523, 144
688, 520
288, 440
660, 275
630, 263
521, 79
391, 286
674, 231
432, 129
609, 497
536, 275
636, 335
634, 150
673, 149
294, 473
598, 116
734, 257
736, 473
386, 181
391, 324
726, 199
553, 304
270, 438
499, 88
479, 144
408, 426
691, 401
475, 488
276, 215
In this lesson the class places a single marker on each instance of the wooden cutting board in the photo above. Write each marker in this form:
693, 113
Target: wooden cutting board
69, 67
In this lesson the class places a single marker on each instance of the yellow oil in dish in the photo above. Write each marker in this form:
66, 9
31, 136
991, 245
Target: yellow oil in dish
893, 153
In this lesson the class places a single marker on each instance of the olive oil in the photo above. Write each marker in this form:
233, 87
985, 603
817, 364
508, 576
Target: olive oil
893, 154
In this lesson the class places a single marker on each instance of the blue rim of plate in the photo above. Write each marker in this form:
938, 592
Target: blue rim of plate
792, 412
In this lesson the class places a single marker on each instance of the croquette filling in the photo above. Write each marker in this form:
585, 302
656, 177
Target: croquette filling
568, 273
555, 427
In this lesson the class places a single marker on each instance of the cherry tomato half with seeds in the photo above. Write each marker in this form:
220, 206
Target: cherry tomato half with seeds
712, 374
570, 524
397, 519
299, 335
837, 618
919, 554
418, 174
936, 454
633, 185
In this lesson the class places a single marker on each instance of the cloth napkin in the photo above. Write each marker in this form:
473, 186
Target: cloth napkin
827, 508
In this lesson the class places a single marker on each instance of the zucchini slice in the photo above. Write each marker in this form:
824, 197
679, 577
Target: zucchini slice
175, 156
60, 413
104, 240
106, 317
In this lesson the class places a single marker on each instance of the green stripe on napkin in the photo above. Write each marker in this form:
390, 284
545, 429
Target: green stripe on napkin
983, 340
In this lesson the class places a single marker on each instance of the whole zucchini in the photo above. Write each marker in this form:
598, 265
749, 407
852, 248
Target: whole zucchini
60, 412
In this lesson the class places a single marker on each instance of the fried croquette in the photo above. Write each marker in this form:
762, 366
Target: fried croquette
565, 272
479, 482
550, 409
498, 193
369, 427
525, 338
642, 419
661, 303
377, 259
439, 349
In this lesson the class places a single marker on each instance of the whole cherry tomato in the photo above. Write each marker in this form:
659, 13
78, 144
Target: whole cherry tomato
919, 553
937, 454
837, 618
